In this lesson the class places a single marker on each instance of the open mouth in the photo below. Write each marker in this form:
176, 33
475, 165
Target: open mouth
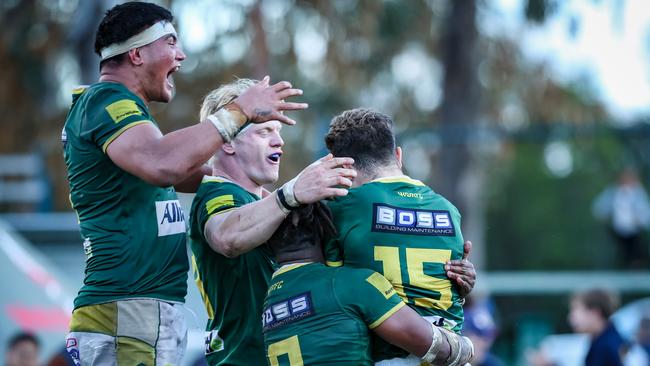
170, 78
275, 157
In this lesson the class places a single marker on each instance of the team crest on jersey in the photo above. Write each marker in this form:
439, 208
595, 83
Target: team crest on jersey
399, 220
171, 219
287, 311
213, 343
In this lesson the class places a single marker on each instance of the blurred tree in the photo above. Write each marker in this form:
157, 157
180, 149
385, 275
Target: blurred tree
461, 171
462, 100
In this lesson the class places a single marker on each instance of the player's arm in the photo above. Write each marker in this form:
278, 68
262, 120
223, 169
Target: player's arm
370, 295
167, 160
191, 184
409, 331
238, 231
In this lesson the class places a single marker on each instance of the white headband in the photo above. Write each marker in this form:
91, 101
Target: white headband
143, 38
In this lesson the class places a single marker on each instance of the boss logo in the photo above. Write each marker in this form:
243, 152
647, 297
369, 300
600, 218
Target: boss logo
408, 221
287, 311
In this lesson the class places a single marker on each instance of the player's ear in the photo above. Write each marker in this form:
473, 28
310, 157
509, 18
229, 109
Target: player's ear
228, 148
398, 156
135, 57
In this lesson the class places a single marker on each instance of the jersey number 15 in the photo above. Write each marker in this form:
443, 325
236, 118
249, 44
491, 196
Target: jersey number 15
415, 259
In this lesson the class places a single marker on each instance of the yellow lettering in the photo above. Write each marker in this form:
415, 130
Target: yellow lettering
410, 195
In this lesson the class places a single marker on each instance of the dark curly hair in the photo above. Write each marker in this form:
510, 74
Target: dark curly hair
124, 21
364, 135
309, 225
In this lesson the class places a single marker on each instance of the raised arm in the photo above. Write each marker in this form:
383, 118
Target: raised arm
166, 160
238, 231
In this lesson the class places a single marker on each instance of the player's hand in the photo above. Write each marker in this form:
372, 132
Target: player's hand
325, 178
462, 271
263, 102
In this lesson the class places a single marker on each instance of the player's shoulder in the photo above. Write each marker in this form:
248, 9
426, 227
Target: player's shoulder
357, 284
352, 275
105, 90
113, 98
211, 183
218, 192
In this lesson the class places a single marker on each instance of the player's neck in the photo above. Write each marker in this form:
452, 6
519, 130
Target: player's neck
598, 328
236, 176
312, 254
124, 77
382, 172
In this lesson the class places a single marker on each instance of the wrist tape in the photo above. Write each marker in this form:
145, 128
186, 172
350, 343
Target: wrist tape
228, 121
435, 345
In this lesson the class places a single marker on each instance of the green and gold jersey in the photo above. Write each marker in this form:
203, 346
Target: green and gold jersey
319, 315
232, 288
399, 227
134, 232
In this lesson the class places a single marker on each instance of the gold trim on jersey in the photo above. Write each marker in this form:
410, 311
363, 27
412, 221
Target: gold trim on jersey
79, 89
219, 202
398, 179
219, 213
214, 179
334, 263
199, 284
288, 267
121, 131
390, 312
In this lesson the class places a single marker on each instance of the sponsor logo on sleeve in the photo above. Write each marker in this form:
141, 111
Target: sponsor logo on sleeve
122, 109
381, 284
287, 311
171, 219
398, 220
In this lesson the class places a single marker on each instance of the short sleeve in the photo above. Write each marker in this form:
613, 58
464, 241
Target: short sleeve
366, 294
215, 198
109, 112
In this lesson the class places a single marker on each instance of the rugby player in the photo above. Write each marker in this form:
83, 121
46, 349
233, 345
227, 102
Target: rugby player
122, 172
396, 225
320, 315
231, 218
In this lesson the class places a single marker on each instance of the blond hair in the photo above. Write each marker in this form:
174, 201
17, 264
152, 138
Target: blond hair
223, 95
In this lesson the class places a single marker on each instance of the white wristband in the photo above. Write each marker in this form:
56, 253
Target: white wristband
289, 194
225, 123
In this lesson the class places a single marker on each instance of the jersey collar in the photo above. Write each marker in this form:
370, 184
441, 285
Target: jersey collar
288, 267
398, 179
216, 179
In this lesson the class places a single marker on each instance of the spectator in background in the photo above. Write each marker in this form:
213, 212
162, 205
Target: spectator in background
479, 326
22, 350
589, 313
626, 209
